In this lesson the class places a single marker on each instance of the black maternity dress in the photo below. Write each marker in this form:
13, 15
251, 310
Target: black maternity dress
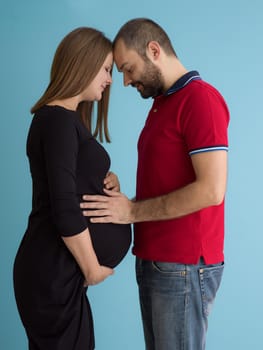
65, 163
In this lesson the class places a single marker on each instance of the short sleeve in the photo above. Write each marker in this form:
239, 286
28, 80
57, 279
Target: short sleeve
60, 140
205, 120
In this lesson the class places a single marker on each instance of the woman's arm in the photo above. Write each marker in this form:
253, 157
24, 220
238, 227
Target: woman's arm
81, 248
61, 143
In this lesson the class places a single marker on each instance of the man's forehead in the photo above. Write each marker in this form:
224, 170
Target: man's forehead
121, 63
124, 56
121, 57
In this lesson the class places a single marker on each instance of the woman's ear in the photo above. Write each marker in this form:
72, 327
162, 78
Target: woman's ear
153, 50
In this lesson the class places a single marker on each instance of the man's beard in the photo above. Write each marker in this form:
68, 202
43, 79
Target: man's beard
151, 81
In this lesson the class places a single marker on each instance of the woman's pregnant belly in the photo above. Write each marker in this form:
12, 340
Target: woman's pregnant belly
111, 242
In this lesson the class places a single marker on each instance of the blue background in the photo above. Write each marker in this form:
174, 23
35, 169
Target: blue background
223, 41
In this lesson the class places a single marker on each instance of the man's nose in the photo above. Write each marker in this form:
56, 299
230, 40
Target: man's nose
126, 80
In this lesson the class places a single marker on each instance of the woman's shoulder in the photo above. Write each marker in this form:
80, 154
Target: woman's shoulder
56, 116
54, 113
60, 120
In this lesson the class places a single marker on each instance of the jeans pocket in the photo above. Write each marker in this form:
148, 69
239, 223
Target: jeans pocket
169, 268
210, 277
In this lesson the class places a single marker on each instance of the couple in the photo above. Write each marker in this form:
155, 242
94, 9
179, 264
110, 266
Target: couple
178, 211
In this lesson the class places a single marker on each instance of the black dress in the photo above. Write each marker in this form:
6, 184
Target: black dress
65, 163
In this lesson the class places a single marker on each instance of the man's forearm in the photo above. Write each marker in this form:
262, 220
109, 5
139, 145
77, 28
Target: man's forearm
186, 200
208, 189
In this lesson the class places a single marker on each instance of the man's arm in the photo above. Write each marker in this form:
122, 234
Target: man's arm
207, 190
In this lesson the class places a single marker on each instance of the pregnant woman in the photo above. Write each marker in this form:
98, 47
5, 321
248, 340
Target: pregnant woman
62, 252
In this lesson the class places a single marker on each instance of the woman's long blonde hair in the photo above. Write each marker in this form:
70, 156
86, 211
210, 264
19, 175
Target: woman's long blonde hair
77, 61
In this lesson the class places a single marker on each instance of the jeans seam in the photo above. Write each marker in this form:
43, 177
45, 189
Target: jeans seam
205, 300
201, 279
186, 310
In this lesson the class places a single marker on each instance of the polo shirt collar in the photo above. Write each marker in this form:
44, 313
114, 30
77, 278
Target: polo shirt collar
183, 81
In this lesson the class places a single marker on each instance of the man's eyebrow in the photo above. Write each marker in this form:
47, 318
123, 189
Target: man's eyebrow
122, 66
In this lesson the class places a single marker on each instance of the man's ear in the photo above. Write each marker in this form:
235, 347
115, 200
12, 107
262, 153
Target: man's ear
153, 50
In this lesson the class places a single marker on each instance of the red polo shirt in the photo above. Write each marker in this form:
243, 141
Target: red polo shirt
192, 117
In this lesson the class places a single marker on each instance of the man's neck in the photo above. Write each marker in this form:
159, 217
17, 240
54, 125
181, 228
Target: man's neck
172, 71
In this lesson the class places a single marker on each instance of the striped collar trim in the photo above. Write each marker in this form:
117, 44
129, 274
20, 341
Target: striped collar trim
183, 81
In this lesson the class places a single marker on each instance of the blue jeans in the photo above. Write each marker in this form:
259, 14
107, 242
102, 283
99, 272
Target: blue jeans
175, 301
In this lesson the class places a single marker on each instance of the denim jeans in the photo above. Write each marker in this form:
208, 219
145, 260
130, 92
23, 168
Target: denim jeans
175, 301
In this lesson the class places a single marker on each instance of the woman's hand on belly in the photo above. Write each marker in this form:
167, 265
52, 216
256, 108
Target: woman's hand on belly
80, 246
111, 182
98, 275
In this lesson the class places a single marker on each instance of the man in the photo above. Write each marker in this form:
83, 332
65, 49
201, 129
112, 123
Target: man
178, 211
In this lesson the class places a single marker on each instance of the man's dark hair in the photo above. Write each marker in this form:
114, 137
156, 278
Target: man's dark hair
137, 33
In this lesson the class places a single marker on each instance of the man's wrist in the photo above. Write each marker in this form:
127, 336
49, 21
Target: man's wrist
147, 210
133, 211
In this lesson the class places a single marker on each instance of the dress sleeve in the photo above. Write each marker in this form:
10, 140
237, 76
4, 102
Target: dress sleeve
61, 142
206, 121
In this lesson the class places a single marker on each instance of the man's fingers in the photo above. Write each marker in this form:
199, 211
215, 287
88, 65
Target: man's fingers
94, 205
100, 198
96, 213
101, 220
107, 209
95, 198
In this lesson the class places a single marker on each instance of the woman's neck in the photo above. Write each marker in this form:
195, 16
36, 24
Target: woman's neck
70, 103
